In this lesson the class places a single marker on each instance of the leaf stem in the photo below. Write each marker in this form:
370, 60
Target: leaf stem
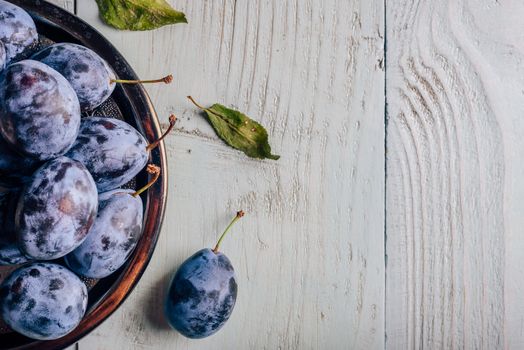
235, 219
196, 104
242, 130
153, 170
223, 119
172, 121
167, 80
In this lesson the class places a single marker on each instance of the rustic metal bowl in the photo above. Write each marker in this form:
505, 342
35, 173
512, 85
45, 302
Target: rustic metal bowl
132, 104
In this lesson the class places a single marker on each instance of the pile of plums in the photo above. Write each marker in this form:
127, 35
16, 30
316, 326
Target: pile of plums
61, 175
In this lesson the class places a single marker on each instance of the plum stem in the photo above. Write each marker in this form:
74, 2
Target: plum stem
172, 121
153, 170
167, 80
235, 219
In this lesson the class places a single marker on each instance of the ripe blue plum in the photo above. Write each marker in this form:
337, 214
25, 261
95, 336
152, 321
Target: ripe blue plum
17, 29
87, 72
114, 235
112, 150
15, 169
56, 209
3, 56
203, 292
39, 110
10, 253
43, 301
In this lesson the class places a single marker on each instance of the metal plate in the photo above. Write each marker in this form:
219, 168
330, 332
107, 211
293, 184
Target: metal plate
132, 104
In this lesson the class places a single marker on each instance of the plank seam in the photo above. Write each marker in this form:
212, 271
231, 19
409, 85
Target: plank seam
385, 168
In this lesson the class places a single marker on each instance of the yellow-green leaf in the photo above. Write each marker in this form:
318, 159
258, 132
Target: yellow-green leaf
139, 14
239, 131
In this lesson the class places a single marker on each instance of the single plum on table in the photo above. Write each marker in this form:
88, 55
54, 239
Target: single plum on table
113, 151
39, 110
56, 210
17, 29
43, 301
114, 234
203, 292
90, 75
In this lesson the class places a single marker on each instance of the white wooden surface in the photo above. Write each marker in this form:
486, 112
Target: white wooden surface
309, 255
69, 5
455, 84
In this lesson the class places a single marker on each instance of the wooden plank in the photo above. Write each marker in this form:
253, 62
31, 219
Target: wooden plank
66, 4
454, 185
309, 255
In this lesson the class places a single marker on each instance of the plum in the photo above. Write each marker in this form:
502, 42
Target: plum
112, 150
87, 72
39, 110
203, 292
3, 56
15, 169
17, 29
114, 235
10, 253
56, 209
43, 301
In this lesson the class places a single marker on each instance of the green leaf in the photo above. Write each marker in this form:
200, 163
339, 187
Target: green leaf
139, 14
239, 131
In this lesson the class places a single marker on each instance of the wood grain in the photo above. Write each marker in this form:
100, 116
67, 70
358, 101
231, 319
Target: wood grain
309, 255
454, 176
66, 4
